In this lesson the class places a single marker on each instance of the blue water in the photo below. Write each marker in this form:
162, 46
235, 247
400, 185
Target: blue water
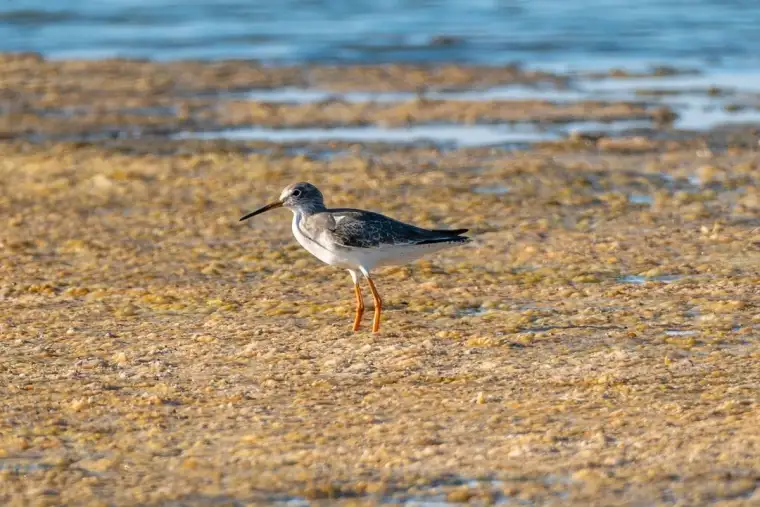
574, 33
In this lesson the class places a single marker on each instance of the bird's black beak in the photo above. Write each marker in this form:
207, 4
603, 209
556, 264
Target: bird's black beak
276, 204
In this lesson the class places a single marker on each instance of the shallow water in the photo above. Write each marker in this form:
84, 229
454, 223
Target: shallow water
582, 33
492, 190
435, 495
455, 135
687, 89
23, 465
680, 332
460, 136
637, 279
701, 102
513, 92
640, 199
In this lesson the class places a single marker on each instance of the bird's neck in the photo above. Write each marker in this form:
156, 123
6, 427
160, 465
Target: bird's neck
309, 209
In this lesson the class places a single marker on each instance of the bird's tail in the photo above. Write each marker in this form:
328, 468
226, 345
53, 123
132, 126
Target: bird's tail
450, 232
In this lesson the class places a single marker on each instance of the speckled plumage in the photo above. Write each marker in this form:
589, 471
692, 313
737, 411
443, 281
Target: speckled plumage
353, 228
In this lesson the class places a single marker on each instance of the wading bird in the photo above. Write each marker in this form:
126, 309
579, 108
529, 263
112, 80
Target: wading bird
357, 240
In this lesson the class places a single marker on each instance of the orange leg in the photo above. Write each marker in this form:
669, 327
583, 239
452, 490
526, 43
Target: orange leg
359, 306
378, 306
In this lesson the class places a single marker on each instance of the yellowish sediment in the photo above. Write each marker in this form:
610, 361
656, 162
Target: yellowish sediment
597, 343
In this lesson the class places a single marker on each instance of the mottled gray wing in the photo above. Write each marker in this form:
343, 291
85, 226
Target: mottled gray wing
365, 229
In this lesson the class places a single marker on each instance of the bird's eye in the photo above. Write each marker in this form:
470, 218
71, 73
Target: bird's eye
296, 193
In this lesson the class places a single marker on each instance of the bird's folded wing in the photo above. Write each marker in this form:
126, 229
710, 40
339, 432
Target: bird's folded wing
365, 229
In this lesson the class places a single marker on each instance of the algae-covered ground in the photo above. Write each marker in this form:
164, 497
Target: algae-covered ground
596, 344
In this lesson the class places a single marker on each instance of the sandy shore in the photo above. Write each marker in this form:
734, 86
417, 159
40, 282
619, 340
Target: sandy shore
597, 344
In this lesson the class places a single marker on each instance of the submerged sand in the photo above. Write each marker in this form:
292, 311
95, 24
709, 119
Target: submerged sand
597, 343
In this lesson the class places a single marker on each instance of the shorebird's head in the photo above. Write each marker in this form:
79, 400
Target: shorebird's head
302, 196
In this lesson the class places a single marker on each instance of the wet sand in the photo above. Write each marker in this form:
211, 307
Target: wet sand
70, 99
597, 343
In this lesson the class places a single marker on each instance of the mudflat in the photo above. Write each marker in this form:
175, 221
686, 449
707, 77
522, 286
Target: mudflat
597, 343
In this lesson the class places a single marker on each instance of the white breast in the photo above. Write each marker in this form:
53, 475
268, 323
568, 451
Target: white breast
315, 248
